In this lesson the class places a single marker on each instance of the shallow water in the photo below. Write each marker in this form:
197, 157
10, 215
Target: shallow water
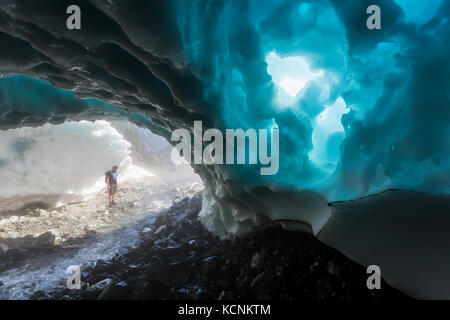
49, 271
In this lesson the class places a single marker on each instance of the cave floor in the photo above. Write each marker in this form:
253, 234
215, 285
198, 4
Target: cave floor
42, 243
178, 259
36, 227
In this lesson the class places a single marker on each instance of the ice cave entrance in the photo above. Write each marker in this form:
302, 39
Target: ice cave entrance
55, 165
53, 196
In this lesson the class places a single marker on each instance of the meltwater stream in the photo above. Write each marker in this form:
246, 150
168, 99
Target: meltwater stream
50, 270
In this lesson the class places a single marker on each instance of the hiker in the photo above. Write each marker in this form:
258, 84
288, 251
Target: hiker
111, 182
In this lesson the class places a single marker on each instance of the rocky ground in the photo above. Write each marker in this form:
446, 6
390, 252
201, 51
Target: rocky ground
178, 259
39, 231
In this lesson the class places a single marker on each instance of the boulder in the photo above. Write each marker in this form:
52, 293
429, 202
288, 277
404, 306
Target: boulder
116, 291
262, 280
46, 239
255, 261
103, 266
160, 229
3, 248
94, 291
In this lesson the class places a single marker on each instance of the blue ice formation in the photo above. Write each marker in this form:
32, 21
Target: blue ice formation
33, 102
359, 110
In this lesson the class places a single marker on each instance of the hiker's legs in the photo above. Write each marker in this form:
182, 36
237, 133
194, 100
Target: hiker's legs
112, 195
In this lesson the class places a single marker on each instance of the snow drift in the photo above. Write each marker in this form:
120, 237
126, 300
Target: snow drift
62, 159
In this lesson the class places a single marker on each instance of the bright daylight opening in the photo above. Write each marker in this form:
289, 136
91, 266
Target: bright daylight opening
328, 135
54, 178
291, 75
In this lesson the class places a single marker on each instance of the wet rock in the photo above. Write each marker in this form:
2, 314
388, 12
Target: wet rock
116, 291
90, 233
41, 295
46, 239
15, 254
313, 267
163, 219
103, 266
192, 293
182, 291
262, 280
94, 291
75, 293
86, 270
210, 264
227, 295
3, 249
279, 270
224, 283
131, 270
160, 229
332, 268
254, 263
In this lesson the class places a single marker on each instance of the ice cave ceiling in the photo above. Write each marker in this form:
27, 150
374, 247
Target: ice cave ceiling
359, 111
